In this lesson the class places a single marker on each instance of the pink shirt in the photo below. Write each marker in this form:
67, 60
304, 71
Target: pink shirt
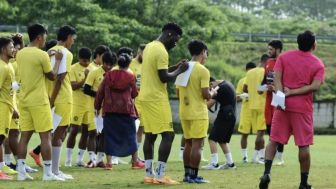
298, 69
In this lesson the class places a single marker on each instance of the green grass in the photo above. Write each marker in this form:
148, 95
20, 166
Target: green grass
246, 176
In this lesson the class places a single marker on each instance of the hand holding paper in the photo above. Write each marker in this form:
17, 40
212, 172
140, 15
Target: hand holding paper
278, 100
262, 88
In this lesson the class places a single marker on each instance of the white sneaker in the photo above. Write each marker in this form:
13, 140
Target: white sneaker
211, 166
52, 177
257, 161
64, 176
80, 164
279, 162
115, 161
228, 166
30, 170
24, 176
67, 164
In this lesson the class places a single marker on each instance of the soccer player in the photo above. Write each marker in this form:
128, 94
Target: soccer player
298, 73
245, 120
35, 115
98, 54
256, 103
222, 129
36, 152
61, 97
82, 110
11, 143
90, 88
193, 110
7, 110
274, 50
153, 97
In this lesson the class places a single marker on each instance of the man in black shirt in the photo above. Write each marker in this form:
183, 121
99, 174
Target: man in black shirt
223, 126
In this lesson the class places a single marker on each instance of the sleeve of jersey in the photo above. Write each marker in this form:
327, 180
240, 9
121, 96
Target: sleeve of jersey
46, 64
69, 62
320, 73
278, 64
3, 75
205, 78
162, 60
239, 88
72, 75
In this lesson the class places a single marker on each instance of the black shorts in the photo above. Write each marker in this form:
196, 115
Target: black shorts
223, 127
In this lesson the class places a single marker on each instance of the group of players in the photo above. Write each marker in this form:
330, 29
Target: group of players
36, 83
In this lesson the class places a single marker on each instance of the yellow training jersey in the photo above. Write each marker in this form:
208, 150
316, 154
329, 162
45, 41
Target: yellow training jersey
94, 65
95, 77
6, 80
77, 75
254, 78
136, 66
155, 57
32, 64
192, 104
64, 95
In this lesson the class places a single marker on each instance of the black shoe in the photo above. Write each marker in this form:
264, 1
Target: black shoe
305, 186
12, 166
264, 181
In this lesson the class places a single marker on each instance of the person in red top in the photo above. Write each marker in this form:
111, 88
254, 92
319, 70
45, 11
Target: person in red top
298, 73
116, 95
274, 50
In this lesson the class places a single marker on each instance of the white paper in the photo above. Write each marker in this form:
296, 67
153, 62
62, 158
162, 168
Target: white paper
62, 66
56, 119
262, 88
15, 86
216, 88
137, 124
244, 96
278, 99
183, 78
99, 123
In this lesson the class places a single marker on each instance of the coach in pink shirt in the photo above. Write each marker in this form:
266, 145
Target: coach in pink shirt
298, 73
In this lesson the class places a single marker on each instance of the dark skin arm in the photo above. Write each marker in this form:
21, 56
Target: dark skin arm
77, 85
172, 72
53, 74
59, 81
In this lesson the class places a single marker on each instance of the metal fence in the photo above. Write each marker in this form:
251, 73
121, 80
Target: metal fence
324, 113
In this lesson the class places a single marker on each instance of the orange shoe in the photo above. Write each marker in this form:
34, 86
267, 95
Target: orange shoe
165, 180
138, 165
36, 157
108, 166
148, 180
4, 176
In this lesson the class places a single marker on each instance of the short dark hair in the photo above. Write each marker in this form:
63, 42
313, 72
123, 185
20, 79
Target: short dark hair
4, 41
36, 30
50, 44
142, 46
84, 53
196, 47
171, 26
264, 57
306, 40
101, 49
64, 32
124, 60
212, 79
250, 65
275, 43
17, 40
109, 58
126, 50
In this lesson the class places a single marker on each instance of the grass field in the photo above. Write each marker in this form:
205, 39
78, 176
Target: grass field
322, 174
